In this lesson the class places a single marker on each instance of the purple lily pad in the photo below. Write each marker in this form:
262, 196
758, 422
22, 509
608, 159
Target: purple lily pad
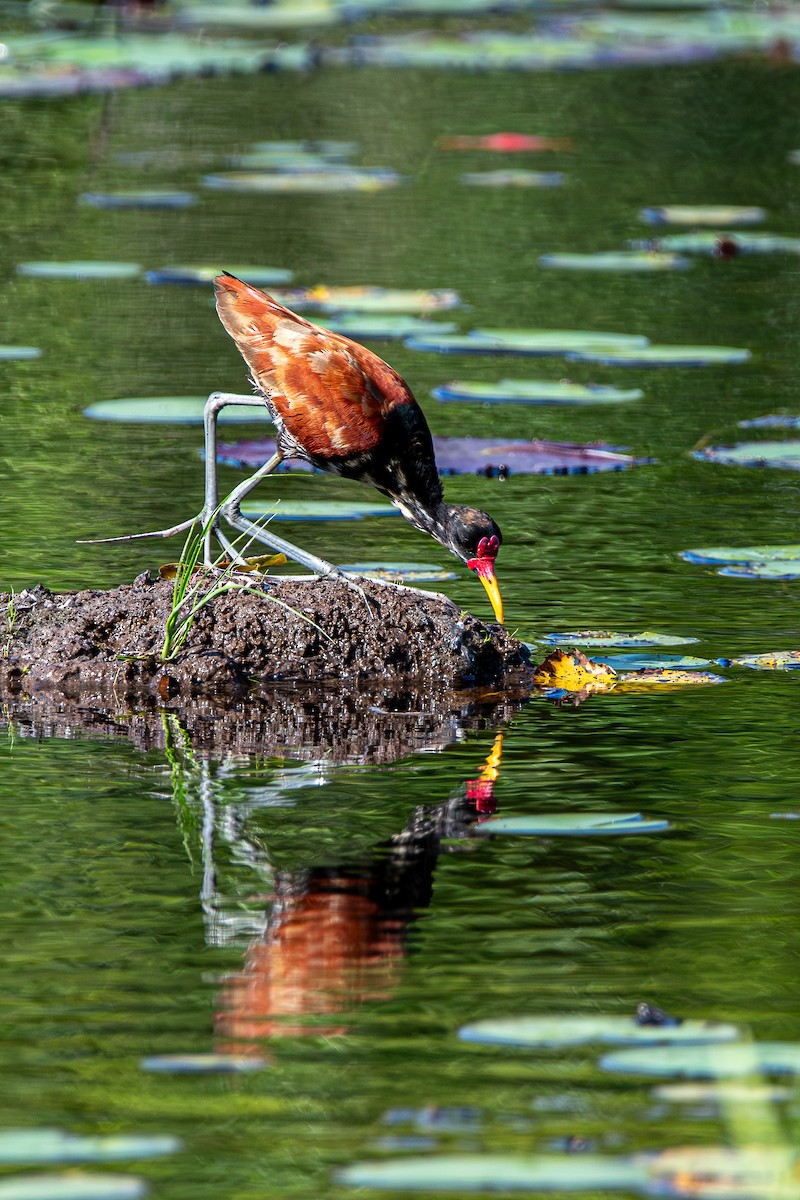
474, 456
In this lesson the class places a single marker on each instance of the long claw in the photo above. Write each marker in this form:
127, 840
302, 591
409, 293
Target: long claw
132, 537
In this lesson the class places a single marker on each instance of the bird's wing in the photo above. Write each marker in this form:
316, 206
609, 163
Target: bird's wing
332, 395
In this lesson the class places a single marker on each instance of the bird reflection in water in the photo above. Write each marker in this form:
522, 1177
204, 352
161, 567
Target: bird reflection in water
336, 936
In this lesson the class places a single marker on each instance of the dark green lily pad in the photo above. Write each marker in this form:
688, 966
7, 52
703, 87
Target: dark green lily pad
403, 572
496, 1173
202, 1064
603, 638
534, 391
138, 199
664, 356
558, 1030
703, 214
258, 276
572, 825
754, 454
318, 510
656, 661
27, 1146
80, 270
171, 410
73, 1186
617, 260
724, 555
708, 1061
19, 352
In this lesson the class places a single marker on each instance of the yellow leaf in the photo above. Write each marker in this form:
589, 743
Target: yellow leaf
572, 671
258, 564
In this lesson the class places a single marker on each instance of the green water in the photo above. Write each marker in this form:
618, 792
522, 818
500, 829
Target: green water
125, 917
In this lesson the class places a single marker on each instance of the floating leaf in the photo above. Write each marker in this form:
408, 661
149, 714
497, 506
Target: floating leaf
655, 677
777, 660
661, 662
363, 326
381, 300
721, 1093
664, 356
772, 421
11, 352
783, 572
479, 456
557, 1030
571, 671
406, 572
534, 391
536, 342
23, 1146
722, 243
617, 260
708, 1061
496, 1172
352, 179
172, 410
715, 555
501, 179
600, 638
318, 510
259, 563
138, 199
572, 825
74, 1186
80, 270
257, 276
706, 1171
703, 214
753, 454
504, 142
202, 1064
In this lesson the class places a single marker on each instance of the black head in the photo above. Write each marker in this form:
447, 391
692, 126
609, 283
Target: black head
475, 538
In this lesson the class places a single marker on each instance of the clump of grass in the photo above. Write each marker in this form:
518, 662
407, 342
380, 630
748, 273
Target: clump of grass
196, 585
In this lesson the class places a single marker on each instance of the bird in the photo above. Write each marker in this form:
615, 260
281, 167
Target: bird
341, 408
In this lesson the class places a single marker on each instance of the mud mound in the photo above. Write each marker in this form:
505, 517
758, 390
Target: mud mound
92, 641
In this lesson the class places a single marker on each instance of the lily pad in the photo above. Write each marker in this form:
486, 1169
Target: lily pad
617, 260
721, 1093
19, 352
655, 677
664, 356
80, 270
534, 391
602, 638
703, 214
76, 1185
404, 572
540, 342
353, 179
318, 510
722, 1171
202, 1064
722, 243
572, 825
777, 660
772, 421
708, 1061
754, 454
661, 662
171, 410
381, 300
138, 199
258, 276
715, 555
479, 456
502, 179
560, 1030
384, 327
24, 1146
782, 572
496, 1173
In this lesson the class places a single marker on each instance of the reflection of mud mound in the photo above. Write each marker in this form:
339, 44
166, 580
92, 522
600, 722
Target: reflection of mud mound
367, 725
83, 641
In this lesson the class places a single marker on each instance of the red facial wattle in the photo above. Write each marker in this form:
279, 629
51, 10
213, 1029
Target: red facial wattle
483, 564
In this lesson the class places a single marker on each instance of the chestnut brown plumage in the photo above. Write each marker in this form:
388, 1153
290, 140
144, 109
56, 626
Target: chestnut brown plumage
343, 409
